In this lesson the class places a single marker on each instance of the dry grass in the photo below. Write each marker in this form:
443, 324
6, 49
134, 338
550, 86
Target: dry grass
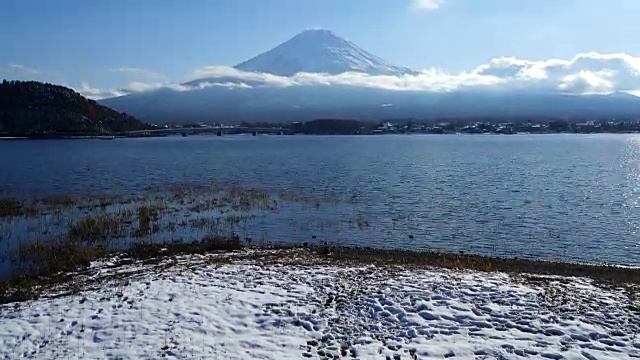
13, 208
42, 264
100, 228
209, 244
461, 261
59, 201
221, 210
53, 264
50, 258
147, 215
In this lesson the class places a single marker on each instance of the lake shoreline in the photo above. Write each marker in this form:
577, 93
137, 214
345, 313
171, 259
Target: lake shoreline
135, 136
77, 137
224, 250
489, 196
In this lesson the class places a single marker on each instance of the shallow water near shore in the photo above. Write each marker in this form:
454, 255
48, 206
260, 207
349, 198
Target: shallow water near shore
552, 197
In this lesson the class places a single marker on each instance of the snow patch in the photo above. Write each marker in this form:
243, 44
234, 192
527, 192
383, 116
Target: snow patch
319, 51
243, 311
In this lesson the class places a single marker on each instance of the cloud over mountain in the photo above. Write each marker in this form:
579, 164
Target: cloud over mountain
428, 80
322, 58
319, 74
97, 94
587, 73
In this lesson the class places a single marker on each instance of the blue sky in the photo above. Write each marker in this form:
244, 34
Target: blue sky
113, 42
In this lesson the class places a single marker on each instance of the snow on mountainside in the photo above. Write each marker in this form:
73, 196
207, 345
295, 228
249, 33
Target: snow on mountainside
247, 94
319, 51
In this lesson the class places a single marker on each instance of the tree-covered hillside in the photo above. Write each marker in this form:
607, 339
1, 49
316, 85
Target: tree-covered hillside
34, 108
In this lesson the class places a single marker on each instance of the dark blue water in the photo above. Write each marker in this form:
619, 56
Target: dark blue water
557, 197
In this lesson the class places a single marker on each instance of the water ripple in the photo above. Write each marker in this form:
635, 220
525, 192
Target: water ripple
559, 197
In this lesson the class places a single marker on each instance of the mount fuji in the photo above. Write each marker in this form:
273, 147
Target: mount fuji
319, 51
260, 89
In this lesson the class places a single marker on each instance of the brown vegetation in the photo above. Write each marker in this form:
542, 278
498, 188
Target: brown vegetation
13, 208
100, 228
477, 262
218, 211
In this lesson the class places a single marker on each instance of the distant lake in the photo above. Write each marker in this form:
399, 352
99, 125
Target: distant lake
555, 197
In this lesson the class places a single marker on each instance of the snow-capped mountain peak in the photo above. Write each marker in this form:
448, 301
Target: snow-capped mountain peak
319, 51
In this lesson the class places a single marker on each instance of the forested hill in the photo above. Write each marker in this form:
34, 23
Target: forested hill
30, 108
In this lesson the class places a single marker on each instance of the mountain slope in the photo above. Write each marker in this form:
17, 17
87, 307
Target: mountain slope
31, 108
304, 103
250, 97
319, 51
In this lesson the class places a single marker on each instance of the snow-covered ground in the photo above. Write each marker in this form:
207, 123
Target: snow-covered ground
257, 311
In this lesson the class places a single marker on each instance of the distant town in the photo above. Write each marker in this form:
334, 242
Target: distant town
355, 127
36, 110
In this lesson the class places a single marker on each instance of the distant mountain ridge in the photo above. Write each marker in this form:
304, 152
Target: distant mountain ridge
234, 98
304, 103
35, 108
319, 51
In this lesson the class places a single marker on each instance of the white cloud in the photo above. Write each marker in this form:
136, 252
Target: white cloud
586, 82
96, 94
426, 5
587, 73
428, 80
136, 86
139, 87
16, 68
